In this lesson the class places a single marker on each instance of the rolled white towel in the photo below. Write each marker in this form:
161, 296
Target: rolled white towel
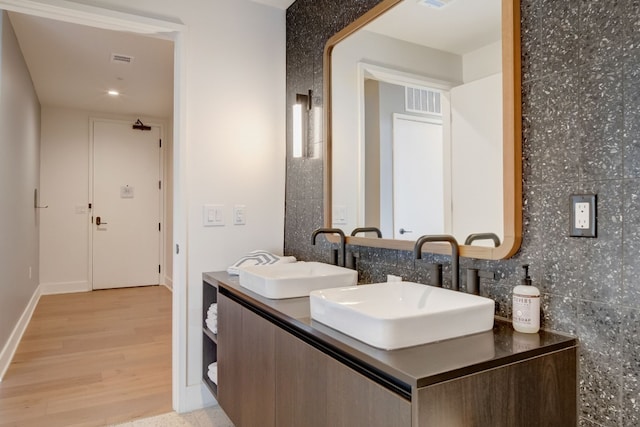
212, 317
213, 308
212, 372
212, 325
258, 257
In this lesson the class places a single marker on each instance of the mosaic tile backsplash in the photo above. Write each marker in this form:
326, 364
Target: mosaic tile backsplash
581, 134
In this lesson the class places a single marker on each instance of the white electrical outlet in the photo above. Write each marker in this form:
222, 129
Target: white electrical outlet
581, 215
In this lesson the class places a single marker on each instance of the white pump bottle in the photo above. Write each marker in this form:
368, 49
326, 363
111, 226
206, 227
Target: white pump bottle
526, 305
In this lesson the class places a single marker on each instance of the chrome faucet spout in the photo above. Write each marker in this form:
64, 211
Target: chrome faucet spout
337, 231
455, 254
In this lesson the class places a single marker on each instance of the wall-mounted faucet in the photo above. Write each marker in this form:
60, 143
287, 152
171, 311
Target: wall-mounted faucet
455, 255
483, 236
367, 230
473, 279
342, 242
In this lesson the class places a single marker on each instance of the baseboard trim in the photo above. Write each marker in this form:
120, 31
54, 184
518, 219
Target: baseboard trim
194, 397
168, 283
11, 346
64, 287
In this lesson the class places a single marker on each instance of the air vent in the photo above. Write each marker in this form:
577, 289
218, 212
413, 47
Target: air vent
121, 59
424, 101
435, 4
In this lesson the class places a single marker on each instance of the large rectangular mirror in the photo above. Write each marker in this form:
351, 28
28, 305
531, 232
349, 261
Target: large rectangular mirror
423, 125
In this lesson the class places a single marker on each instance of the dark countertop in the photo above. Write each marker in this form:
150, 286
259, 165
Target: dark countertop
411, 367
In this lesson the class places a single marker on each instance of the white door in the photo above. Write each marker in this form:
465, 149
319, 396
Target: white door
126, 205
418, 177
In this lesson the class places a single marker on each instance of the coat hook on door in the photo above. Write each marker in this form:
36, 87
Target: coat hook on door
36, 201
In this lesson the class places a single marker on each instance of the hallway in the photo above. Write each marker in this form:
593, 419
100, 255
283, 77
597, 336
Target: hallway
90, 359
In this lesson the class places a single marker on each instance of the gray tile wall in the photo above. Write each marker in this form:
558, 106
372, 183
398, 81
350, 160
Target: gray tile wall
581, 134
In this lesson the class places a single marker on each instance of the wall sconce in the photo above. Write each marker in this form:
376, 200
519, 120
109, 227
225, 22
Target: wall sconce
301, 123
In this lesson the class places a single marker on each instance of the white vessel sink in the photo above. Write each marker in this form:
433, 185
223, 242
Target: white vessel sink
295, 279
401, 314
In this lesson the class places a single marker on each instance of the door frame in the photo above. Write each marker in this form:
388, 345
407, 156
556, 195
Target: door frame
161, 207
98, 17
368, 70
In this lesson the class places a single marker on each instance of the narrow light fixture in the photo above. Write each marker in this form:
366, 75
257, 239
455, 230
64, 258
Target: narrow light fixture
113, 92
300, 125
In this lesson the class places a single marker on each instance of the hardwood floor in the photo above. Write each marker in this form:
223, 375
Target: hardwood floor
92, 359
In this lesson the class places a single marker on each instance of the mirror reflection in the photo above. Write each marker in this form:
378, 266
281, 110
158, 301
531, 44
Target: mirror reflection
417, 144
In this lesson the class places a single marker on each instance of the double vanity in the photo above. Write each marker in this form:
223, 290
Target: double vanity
392, 354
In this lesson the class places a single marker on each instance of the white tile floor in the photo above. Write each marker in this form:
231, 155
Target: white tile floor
208, 417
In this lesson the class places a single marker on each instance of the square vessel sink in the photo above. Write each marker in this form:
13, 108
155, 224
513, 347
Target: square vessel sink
401, 314
294, 279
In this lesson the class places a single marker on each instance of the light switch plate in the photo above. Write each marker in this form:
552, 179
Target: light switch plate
339, 215
239, 215
213, 215
583, 215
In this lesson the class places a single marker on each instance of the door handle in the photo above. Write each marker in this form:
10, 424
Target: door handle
403, 231
99, 221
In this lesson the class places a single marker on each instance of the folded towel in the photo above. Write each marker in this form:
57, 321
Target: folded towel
212, 325
212, 372
213, 309
259, 257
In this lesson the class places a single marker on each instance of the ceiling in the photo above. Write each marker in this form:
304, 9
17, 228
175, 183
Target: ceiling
71, 67
460, 27
280, 4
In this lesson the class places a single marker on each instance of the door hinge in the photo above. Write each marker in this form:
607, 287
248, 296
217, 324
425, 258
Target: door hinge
91, 219
159, 185
160, 142
89, 205
158, 268
159, 227
177, 248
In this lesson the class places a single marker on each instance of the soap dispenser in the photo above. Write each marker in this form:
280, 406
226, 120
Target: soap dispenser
526, 305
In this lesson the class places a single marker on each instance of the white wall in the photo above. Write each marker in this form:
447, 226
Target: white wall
482, 62
382, 51
232, 147
477, 150
64, 180
235, 134
19, 176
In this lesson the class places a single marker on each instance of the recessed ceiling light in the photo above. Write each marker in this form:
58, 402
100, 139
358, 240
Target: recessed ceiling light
113, 92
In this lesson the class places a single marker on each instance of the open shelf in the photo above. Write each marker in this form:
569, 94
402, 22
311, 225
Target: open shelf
209, 339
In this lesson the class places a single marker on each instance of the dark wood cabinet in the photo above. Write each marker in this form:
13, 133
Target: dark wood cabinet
313, 389
356, 401
246, 365
539, 392
301, 383
275, 368
268, 377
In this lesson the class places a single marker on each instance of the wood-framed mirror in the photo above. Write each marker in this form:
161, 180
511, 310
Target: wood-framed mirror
461, 94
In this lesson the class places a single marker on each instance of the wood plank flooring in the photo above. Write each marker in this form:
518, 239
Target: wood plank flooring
91, 359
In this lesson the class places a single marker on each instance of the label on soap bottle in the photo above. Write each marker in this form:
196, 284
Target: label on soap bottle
526, 312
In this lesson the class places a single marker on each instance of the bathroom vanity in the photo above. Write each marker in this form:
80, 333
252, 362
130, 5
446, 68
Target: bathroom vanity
278, 367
